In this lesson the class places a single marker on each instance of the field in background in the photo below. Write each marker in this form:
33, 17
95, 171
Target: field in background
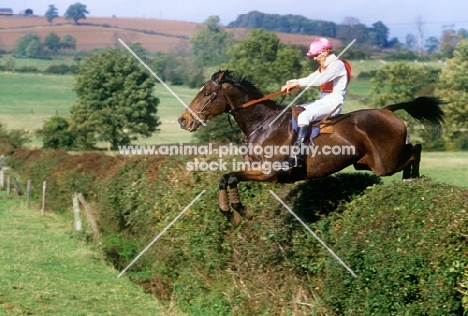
27, 100
155, 35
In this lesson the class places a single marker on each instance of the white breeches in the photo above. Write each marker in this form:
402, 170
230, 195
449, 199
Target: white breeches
319, 109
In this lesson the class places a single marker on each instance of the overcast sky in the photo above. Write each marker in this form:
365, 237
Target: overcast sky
398, 15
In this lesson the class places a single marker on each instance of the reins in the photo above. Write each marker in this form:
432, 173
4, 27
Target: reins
252, 102
267, 97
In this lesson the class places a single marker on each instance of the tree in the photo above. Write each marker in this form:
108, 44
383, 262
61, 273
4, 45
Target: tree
210, 42
448, 41
9, 63
401, 82
264, 60
378, 35
34, 49
52, 41
76, 12
453, 88
68, 42
350, 20
51, 13
432, 43
23, 43
463, 33
115, 101
347, 33
56, 133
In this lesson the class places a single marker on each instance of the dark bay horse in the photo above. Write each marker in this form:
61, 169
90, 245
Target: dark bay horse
377, 137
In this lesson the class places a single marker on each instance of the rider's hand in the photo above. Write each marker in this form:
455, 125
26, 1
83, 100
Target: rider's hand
289, 85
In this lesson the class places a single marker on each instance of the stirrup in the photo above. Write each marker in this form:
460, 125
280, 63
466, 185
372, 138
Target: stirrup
296, 162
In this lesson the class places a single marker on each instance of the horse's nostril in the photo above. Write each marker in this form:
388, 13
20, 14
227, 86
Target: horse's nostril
182, 121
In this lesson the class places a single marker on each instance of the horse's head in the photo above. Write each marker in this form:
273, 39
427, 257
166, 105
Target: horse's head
207, 104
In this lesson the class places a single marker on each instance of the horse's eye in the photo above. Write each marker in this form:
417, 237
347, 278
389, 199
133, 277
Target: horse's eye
207, 94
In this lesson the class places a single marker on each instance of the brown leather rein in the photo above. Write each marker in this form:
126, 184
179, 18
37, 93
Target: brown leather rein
267, 97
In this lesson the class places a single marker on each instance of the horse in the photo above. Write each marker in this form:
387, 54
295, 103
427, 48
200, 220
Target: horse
378, 137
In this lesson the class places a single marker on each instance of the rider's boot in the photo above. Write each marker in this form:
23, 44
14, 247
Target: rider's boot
298, 155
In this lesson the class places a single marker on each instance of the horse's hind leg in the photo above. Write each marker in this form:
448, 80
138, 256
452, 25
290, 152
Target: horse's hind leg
411, 171
417, 160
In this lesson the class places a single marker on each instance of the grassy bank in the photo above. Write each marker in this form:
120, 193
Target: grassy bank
43, 271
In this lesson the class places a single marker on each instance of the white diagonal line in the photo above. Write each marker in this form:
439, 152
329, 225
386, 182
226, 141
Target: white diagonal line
162, 82
313, 234
161, 233
310, 84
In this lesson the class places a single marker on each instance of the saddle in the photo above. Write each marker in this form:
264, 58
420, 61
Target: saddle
323, 126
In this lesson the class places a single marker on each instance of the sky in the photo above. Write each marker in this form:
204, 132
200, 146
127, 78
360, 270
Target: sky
399, 16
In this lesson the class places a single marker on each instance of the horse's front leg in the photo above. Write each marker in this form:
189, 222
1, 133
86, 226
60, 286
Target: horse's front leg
231, 180
234, 197
231, 216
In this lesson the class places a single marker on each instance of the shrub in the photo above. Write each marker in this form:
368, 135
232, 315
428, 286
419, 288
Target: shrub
27, 69
407, 245
57, 69
56, 134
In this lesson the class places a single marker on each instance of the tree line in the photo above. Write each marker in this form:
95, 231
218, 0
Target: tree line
290, 23
30, 45
351, 28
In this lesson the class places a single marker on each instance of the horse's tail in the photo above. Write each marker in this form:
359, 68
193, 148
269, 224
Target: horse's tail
425, 109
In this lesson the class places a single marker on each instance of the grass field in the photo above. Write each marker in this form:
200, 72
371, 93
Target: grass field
27, 100
46, 272
448, 167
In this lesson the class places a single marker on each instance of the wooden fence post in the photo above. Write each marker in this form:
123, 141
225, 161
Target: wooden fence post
17, 187
28, 194
8, 185
90, 217
2, 179
43, 197
76, 212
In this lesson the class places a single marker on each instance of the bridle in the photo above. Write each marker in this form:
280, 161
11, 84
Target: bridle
228, 107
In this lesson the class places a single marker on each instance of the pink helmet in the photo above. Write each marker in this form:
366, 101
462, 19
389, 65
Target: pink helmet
318, 46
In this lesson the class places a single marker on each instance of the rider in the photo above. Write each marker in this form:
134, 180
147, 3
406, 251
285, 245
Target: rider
332, 76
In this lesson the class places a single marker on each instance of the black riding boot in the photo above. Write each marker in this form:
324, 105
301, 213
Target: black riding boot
299, 160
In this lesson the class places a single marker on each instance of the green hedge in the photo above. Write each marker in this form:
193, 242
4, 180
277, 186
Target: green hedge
406, 242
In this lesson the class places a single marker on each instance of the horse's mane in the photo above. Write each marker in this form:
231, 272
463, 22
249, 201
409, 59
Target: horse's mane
240, 81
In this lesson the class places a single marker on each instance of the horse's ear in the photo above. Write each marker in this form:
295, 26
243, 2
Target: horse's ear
222, 75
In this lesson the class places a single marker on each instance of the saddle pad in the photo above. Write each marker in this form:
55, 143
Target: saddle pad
324, 128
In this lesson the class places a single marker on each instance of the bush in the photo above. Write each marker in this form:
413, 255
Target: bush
407, 244
57, 69
27, 69
366, 75
56, 134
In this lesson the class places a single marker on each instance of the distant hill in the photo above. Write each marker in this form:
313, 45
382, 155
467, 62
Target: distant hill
155, 35
287, 23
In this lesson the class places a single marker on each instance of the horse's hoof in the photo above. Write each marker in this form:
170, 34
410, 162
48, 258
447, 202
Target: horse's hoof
234, 218
246, 212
